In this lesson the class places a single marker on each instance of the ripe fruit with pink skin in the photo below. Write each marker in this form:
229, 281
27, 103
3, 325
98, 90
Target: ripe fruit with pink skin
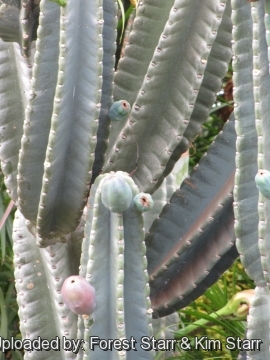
78, 295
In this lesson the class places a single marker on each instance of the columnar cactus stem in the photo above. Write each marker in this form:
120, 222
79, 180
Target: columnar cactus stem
14, 86
36, 132
119, 297
33, 267
267, 25
246, 227
252, 102
261, 81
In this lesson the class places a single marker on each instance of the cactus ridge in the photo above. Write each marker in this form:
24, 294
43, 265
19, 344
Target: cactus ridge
215, 70
261, 83
39, 111
73, 118
14, 84
245, 192
141, 132
109, 35
33, 266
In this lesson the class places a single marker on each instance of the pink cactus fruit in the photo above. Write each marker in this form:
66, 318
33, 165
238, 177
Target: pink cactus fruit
78, 295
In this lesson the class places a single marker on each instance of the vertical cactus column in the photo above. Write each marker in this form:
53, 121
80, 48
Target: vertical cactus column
14, 85
117, 268
62, 116
252, 86
39, 275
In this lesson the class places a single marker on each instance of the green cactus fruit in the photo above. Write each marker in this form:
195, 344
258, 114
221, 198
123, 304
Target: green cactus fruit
119, 110
262, 180
116, 194
143, 202
78, 295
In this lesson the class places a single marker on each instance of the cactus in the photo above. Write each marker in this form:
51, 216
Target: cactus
73, 173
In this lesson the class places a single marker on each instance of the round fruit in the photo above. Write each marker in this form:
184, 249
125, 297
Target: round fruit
262, 180
119, 110
143, 202
78, 295
116, 194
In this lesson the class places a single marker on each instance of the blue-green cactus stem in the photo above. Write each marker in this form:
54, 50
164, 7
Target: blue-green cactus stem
148, 25
14, 86
245, 191
91, 213
122, 298
39, 110
143, 146
106, 237
72, 138
10, 29
119, 110
138, 309
35, 267
215, 71
261, 83
109, 34
159, 197
29, 21
165, 328
267, 24
258, 322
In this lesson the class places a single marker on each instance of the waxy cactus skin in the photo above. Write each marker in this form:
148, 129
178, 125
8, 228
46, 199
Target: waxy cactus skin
143, 202
116, 194
119, 110
262, 180
78, 295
